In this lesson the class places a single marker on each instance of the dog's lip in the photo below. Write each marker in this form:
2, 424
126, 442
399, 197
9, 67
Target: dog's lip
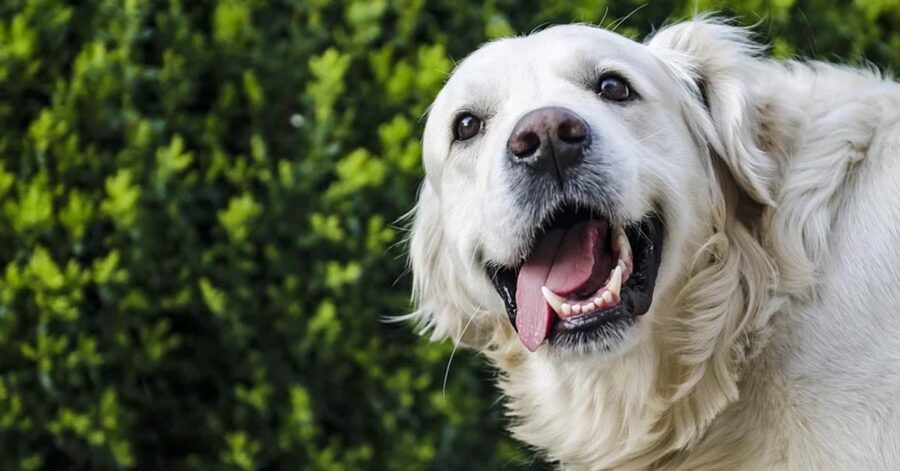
636, 292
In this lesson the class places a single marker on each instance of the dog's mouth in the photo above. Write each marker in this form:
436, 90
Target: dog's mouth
584, 279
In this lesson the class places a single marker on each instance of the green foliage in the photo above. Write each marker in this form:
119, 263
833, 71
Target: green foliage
197, 206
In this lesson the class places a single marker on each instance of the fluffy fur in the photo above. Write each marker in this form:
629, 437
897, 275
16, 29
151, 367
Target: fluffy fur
773, 341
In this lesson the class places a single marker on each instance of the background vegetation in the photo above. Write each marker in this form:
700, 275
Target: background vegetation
197, 224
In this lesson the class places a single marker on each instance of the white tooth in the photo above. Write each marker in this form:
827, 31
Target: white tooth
598, 301
623, 266
553, 299
566, 309
615, 281
576, 309
607, 298
589, 307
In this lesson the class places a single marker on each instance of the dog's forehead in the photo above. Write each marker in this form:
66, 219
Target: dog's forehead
526, 64
554, 48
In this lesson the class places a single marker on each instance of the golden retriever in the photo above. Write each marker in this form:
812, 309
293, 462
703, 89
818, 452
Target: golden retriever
680, 254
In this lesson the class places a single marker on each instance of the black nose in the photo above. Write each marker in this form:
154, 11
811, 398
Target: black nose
549, 138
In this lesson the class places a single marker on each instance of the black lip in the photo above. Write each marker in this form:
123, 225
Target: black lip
646, 240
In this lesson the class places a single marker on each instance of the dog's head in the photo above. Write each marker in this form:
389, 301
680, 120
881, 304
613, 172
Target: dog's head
571, 175
591, 218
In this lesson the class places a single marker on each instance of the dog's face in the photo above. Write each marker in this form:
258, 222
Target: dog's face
568, 180
588, 197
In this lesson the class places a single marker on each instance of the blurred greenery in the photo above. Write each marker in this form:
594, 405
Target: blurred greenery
198, 237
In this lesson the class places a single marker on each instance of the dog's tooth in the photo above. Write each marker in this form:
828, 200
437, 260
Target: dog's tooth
623, 266
554, 300
598, 301
566, 309
607, 298
625, 271
576, 308
615, 281
589, 307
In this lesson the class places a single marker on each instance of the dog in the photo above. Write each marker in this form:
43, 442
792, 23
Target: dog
678, 253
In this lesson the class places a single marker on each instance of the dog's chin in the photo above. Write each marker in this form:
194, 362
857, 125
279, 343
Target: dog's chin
606, 342
608, 316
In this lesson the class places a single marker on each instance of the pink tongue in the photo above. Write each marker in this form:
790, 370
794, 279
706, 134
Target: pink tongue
568, 261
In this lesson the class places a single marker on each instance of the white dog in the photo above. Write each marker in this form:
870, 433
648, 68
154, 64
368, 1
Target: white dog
680, 255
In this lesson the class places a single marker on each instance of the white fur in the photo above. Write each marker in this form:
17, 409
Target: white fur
773, 341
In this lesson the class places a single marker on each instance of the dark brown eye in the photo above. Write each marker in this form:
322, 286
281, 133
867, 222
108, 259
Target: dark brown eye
467, 126
613, 88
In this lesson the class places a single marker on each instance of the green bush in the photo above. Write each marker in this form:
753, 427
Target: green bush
198, 222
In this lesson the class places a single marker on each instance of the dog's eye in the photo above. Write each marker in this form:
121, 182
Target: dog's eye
613, 88
467, 126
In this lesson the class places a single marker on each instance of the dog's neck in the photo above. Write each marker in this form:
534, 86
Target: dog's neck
584, 413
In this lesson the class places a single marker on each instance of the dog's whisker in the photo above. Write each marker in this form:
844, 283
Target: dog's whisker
453, 353
615, 25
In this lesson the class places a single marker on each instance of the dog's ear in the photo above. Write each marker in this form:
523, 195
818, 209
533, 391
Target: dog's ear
717, 61
443, 306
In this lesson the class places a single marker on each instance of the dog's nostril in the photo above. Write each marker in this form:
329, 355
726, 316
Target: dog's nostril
552, 138
524, 143
572, 131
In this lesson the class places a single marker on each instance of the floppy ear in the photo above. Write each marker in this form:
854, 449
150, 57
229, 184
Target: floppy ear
443, 306
718, 62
